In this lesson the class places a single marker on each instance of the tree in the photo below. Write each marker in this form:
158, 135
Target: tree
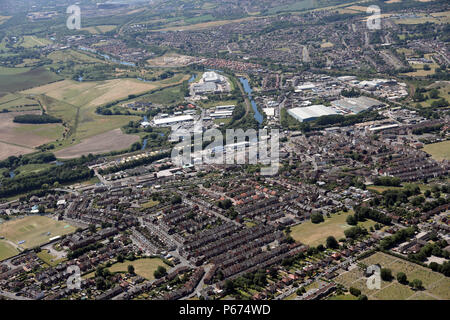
332, 243
416, 284
354, 291
229, 286
401, 277
131, 269
386, 274
362, 297
160, 272
351, 220
317, 218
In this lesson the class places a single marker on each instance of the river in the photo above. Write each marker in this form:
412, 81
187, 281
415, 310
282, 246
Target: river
248, 90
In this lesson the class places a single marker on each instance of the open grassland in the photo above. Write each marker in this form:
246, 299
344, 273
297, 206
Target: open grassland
443, 88
7, 250
439, 151
32, 168
17, 102
92, 93
436, 285
17, 79
315, 234
70, 55
34, 230
143, 267
99, 29
32, 41
420, 71
101, 143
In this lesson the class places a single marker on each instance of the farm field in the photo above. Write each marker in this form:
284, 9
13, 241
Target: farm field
92, 93
101, 143
143, 267
435, 284
75, 103
7, 150
17, 102
24, 78
34, 230
315, 234
99, 29
439, 151
27, 135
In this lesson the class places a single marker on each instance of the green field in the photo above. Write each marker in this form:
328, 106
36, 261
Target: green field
143, 267
50, 260
439, 151
7, 250
436, 285
34, 230
315, 234
32, 41
71, 55
16, 79
17, 102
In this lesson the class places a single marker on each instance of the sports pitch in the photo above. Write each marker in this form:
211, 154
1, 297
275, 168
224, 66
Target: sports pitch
33, 231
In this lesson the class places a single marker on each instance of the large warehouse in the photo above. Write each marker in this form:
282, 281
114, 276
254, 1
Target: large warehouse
311, 112
356, 105
173, 120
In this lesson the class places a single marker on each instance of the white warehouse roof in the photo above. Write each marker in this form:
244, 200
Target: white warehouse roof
169, 121
311, 112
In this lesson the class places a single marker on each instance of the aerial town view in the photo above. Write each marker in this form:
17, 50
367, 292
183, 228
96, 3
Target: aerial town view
224, 150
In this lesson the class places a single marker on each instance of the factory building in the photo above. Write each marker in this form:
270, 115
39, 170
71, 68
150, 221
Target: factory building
165, 122
311, 112
356, 105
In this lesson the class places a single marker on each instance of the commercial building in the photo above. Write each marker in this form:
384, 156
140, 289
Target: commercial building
163, 122
311, 112
356, 105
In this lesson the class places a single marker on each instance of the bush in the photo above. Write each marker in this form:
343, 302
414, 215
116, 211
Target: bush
355, 292
386, 274
401, 277
317, 218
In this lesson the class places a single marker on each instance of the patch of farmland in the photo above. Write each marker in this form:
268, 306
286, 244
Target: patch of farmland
92, 93
27, 135
102, 143
24, 78
8, 150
